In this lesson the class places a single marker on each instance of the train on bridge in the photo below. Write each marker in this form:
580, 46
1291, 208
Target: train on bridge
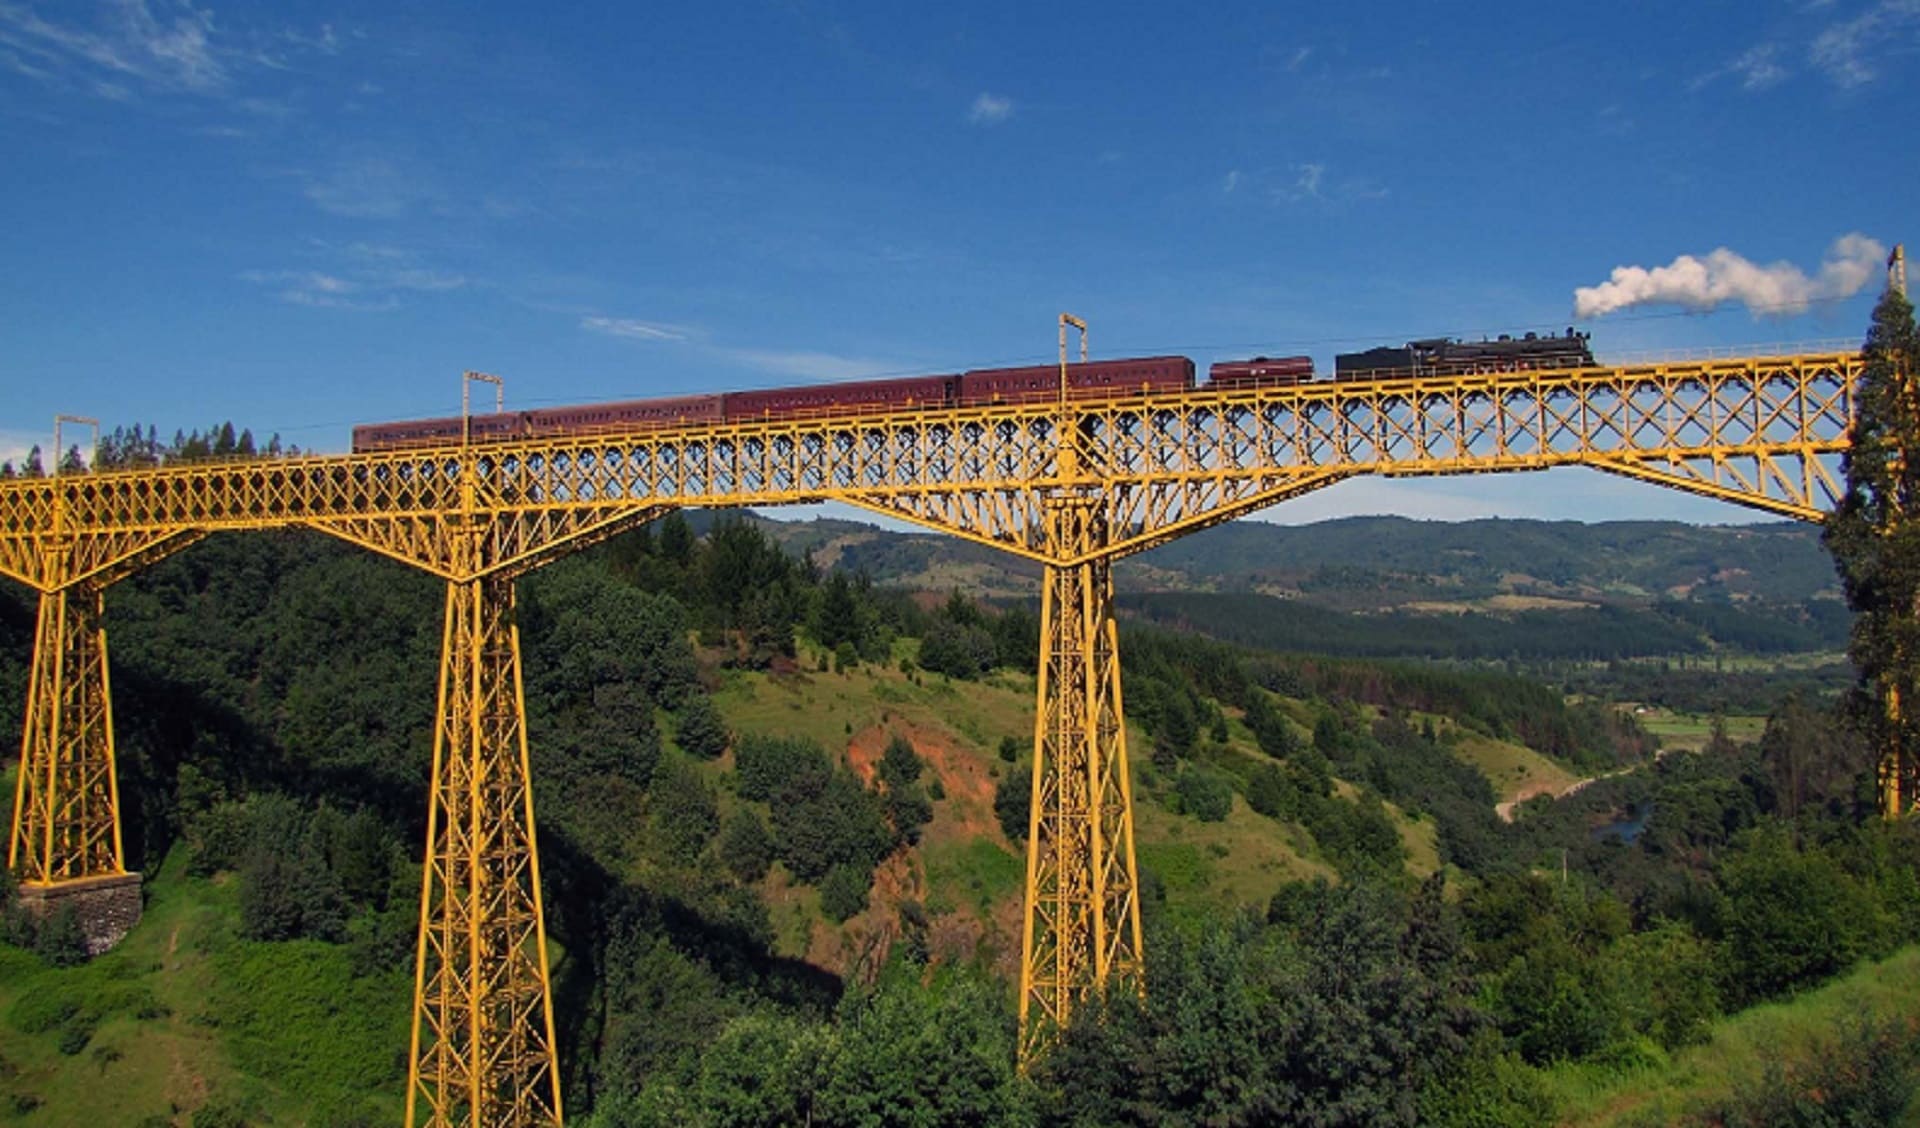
1102, 379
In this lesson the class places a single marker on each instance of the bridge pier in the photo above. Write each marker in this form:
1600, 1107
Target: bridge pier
483, 1050
1082, 926
65, 849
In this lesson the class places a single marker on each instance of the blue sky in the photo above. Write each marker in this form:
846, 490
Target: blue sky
301, 216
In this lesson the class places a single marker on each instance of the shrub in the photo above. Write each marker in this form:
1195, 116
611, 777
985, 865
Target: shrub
900, 764
59, 939
700, 731
745, 846
685, 814
75, 1036
821, 822
1205, 795
767, 765
1013, 803
844, 891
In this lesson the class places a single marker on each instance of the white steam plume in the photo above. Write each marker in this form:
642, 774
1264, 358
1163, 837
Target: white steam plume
1778, 290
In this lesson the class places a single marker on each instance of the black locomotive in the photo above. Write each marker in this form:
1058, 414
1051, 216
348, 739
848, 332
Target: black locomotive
1443, 356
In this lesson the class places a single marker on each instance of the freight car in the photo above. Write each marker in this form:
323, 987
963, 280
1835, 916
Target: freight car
1444, 356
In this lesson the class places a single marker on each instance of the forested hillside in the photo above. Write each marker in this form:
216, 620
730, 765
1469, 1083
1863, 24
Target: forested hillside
1401, 559
782, 812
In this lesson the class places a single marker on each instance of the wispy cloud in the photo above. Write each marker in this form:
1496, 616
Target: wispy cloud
366, 188
1299, 57
633, 328
117, 50
364, 277
1849, 52
814, 367
318, 290
1231, 182
823, 367
1612, 120
1306, 185
990, 109
1757, 68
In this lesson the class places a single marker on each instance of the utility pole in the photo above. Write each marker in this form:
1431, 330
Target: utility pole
60, 451
466, 401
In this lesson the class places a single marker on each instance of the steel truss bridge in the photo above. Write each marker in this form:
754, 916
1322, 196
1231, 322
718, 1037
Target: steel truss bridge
1074, 486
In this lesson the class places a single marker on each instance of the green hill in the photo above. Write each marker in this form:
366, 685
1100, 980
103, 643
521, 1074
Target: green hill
784, 808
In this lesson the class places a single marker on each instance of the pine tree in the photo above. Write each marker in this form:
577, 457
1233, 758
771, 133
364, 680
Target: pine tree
1875, 541
701, 732
676, 538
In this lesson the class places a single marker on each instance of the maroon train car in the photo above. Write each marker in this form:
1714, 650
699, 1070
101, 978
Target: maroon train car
1089, 380
1261, 372
821, 399
437, 432
668, 411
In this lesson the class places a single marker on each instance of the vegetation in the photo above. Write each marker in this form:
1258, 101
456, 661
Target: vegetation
1872, 535
783, 811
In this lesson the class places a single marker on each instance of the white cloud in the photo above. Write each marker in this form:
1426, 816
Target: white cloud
1232, 181
1299, 57
990, 109
14, 445
1778, 290
633, 328
1848, 51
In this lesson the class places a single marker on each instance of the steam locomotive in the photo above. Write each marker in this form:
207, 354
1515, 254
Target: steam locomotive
1105, 379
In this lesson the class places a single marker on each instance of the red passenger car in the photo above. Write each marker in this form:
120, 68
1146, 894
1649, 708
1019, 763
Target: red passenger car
490, 427
668, 411
1091, 380
1261, 372
822, 399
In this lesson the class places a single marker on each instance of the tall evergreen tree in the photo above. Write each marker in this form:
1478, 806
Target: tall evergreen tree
1875, 540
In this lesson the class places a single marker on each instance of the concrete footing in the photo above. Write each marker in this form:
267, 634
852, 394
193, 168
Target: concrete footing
106, 907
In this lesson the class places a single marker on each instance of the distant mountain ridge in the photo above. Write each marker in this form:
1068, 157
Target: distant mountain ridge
1382, 562
1396, 587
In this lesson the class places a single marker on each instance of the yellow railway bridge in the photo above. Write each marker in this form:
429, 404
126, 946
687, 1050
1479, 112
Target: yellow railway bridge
1074, 486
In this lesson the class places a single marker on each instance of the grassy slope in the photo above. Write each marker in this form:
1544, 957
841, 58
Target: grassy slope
183, 1015
1516, 771
1690, 732
965, 870
1741, 1048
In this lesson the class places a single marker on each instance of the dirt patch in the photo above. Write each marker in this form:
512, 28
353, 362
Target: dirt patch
967, 811
858, 949
1529, 790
